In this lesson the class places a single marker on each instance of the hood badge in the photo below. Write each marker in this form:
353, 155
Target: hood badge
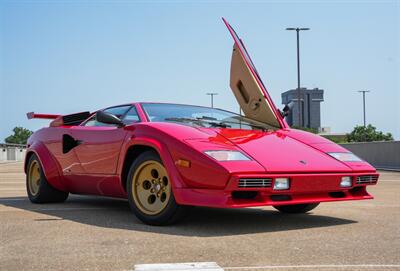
303, 162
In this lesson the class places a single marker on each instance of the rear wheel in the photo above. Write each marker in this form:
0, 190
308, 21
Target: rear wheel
37, 187
150, 191
297, 208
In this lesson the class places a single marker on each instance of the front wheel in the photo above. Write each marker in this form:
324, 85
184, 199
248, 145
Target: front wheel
149, 190
297, 208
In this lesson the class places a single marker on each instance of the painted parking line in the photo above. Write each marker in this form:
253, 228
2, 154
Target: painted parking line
213, 266
317, 266
203, 266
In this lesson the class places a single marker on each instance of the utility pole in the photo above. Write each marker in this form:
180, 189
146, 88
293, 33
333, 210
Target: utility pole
212, 94
363, 92
298, 29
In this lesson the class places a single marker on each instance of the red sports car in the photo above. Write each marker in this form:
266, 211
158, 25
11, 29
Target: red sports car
166, 157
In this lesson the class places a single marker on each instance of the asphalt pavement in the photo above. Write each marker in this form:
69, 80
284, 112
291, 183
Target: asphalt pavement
97, 233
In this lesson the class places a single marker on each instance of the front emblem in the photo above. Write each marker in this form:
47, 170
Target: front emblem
303, 162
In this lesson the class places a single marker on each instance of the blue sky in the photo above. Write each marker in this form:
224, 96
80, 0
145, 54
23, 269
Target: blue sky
69, 56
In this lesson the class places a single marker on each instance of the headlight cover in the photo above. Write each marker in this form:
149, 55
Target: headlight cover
345, 156
346, 181
227, 155
281, 184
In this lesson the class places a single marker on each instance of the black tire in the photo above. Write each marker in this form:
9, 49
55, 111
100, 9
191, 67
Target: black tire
45, 192
297, 208
171, 213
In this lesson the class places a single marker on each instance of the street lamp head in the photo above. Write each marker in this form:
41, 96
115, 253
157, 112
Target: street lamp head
298, 28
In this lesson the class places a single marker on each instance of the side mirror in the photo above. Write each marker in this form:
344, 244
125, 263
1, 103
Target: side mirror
286, 109
108, 118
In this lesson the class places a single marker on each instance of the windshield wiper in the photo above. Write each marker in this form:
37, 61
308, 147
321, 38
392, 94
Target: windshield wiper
211, 120
200, 121
206, 118
184, 120
245, 123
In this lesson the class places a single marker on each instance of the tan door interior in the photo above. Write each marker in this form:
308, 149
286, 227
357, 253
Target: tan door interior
248, 93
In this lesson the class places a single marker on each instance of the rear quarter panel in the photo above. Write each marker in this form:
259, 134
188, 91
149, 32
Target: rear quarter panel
46, 144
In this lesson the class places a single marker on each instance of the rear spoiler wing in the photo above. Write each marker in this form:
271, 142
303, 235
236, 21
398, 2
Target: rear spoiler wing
33, 115
59, 120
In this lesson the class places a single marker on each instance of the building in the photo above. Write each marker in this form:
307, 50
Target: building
12, 152
310, 107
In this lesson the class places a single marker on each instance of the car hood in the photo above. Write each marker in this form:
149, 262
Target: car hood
284, 150
278, 152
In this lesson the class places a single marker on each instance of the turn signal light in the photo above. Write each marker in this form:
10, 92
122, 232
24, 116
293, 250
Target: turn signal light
182, 163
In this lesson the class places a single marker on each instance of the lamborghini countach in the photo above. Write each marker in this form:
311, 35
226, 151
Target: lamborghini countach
165, 158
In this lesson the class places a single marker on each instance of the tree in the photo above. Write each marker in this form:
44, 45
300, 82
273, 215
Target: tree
311, 130
20, 136
368, 134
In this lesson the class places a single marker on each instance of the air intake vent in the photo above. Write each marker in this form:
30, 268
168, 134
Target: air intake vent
254, 183
367, 179
75, 119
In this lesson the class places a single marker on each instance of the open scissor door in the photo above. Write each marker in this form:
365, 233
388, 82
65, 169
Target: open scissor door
248, 88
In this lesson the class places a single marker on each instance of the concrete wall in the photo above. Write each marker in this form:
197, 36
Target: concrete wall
3, 153
382, 155
12, 152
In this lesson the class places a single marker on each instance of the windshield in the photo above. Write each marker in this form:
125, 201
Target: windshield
201, 117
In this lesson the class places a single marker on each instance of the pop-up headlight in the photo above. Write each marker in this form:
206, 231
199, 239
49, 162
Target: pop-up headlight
227, 155
345, 156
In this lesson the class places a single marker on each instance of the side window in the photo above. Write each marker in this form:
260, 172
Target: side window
131, 117
118, 111
91, 122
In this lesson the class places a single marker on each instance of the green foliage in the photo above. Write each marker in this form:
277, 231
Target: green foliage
311, 130
20, 136
367, 134
335, 138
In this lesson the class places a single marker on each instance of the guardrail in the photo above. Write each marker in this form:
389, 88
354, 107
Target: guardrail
382, 155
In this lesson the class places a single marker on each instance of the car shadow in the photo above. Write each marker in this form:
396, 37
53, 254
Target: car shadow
200, 221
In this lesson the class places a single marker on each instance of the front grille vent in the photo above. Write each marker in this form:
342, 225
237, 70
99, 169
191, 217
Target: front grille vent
366, 179
254, 183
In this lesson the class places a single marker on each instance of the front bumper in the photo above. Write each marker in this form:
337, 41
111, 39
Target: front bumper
304, 188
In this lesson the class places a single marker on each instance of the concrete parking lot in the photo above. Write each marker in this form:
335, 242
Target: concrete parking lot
93, 233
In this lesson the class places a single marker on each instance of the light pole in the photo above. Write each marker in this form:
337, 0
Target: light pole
363, 92
298, 29
212, 94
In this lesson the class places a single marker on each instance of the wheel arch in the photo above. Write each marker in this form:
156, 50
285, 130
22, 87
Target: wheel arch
48, 163
28, 156
131, 155
140, 146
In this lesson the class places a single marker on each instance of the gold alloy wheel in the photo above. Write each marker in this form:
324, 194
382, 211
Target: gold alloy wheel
151, 188
34, 177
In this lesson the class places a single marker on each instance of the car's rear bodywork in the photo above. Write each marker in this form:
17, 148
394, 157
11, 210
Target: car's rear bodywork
95, 159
